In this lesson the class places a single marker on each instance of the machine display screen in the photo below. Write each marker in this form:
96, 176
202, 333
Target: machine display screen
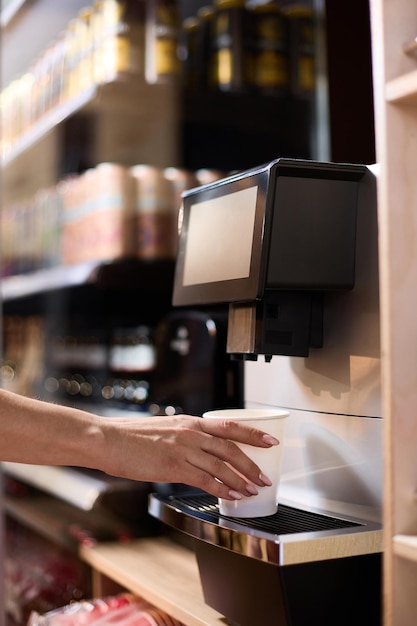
220, 247
220, 234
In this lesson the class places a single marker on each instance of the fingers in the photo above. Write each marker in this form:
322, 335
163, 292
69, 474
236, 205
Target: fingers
219, 445
228, 429
234, 489
227, 470
226, 460
226, 480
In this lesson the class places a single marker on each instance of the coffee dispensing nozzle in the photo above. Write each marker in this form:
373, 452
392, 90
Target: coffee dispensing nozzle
270, 242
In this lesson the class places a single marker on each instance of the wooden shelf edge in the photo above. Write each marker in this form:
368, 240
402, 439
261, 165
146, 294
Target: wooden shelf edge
405, 546
159, 570
402, 90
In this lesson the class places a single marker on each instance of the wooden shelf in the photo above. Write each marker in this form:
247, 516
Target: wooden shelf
402, 90
405, 546
394, 31
159, 570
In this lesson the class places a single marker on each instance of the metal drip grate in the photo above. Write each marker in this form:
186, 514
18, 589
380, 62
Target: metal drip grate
286, 520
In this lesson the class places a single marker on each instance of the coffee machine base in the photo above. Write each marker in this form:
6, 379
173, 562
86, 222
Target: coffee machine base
295, 568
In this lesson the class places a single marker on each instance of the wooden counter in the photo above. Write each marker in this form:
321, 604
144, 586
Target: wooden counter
157, 569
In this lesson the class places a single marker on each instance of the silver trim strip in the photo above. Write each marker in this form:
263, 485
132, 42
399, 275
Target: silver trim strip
288, 549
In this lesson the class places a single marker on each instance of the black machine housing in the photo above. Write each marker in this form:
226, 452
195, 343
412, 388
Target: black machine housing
270, 241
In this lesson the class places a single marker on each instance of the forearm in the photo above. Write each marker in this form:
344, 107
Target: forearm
43, 433
181, 448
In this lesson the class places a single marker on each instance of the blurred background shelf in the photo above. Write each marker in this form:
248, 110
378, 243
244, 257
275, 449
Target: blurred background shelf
118, 274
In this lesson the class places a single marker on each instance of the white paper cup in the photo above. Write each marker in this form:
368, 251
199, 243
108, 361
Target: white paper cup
271, 421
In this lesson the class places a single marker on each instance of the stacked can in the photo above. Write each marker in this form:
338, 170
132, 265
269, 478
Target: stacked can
155, 236
108, 232
97, 215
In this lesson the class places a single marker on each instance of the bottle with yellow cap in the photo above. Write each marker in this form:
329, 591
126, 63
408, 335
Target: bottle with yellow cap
301, 50
231, 66
270, 49
162, 60
203, 46
189, 52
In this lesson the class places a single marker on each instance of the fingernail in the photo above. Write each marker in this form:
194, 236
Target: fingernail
266, 481
272, 441
252, 490
235, 495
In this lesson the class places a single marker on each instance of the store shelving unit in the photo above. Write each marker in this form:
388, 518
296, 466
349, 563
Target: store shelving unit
125, 115
395, 87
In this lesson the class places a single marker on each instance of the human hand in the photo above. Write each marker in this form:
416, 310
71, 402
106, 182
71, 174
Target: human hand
186, 449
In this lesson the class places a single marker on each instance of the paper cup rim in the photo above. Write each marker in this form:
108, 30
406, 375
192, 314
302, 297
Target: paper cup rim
246, 414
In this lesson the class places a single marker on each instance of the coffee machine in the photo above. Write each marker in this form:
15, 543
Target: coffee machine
292, 247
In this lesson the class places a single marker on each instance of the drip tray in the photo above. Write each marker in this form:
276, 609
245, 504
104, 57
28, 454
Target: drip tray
286, 520
291, 535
